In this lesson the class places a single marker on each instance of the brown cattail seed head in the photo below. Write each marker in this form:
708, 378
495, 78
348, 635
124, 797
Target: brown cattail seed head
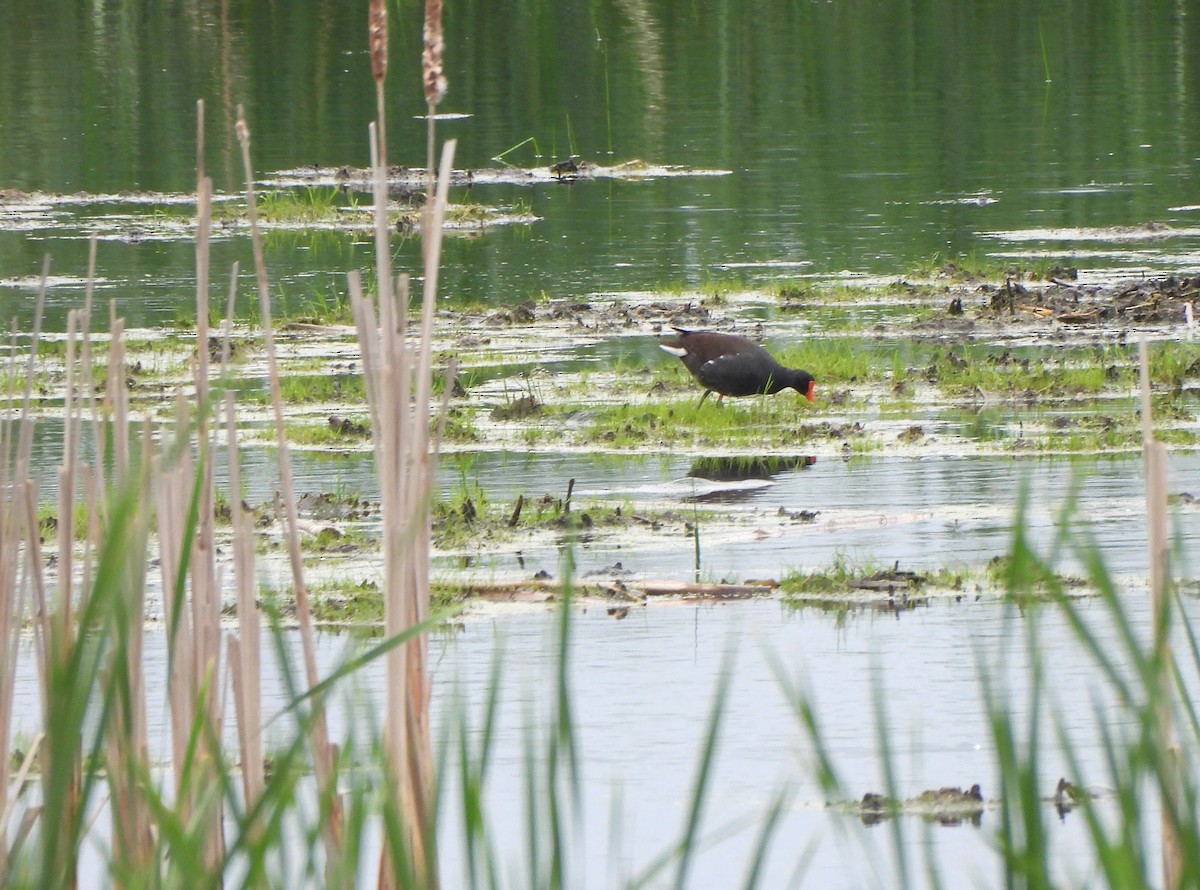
377, 39
431, 57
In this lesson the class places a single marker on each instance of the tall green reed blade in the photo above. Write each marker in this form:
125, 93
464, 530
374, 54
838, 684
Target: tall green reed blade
883, 746
473, 768
708, 752
80, 696
552, 767
762, 844
1187, 706
18, 523
1022, 836
533, 796
564, 747
1136, 760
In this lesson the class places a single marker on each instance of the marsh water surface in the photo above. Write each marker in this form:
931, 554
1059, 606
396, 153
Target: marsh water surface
855, 141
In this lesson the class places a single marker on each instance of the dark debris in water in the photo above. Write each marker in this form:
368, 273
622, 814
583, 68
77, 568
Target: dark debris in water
1061, 299
889, 580
945, 806
414, 178
325, 505
627, 589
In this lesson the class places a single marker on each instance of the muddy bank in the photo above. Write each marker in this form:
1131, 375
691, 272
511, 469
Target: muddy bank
1061, 301
942, 368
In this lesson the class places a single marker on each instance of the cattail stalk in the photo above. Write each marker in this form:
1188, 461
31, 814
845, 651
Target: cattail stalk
434, 80
399, 387
377, 41
55, 635
1155, 459
322, 750
127, 734
377, 37
13, 526
244, 647
206, 595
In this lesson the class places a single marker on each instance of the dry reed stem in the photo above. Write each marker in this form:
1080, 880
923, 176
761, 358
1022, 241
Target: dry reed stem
89, 385
116, 396
1155, 459
245, 657
203, 230
399, 387
433, 78
206, 596
45, 627
1154, 456
377, 41
13, 791
12, 606
244, 648
12, 609
383, 244
91, 545
126, 732
189, 662
55, 627
193, 631
173, 489
66, 475
178, 626
227, 333
199, 140
25, 434
322, 751
418, 702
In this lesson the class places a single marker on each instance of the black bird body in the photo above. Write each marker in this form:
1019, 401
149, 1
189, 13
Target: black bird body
730, 365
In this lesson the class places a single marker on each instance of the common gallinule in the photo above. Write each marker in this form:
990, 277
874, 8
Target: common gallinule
730, 365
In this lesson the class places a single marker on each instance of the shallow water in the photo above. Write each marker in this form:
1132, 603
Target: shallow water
643, 690
927, 513
974, 133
